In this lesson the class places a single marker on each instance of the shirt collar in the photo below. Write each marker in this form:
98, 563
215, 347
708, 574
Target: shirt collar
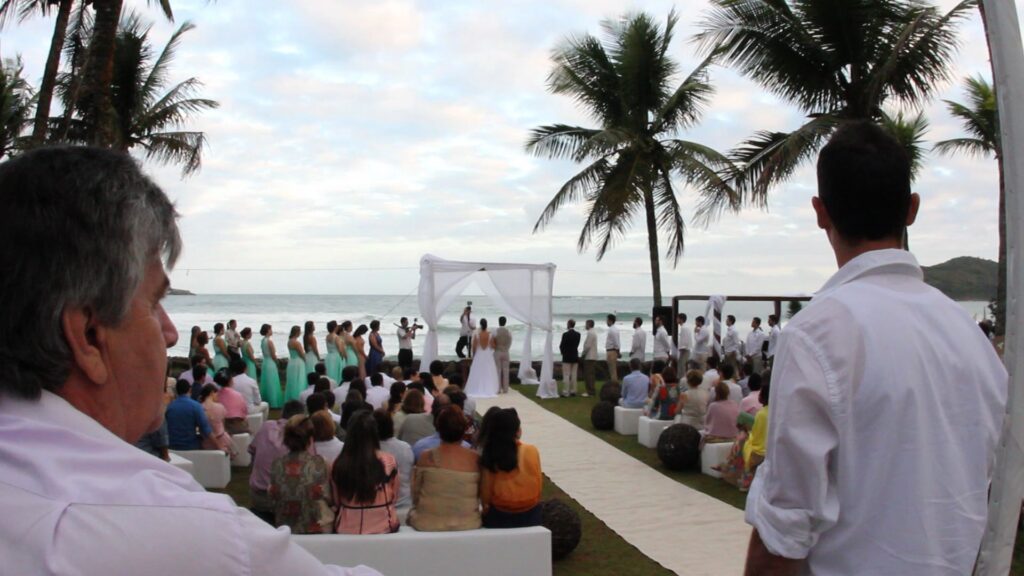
51, 408
888, 261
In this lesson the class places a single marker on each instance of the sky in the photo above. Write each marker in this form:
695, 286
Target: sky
354, 137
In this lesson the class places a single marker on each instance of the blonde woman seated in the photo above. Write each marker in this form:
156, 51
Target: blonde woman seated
325, 443
300, 483
446, 480
693, 402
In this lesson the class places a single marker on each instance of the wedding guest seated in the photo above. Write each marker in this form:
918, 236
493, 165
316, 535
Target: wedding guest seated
397, 392
200, 377
665, 400
511, 475
366, 481
402, 453
156, 442
720, 421
733, 468
430, 390
330, 400
219, 439
377, 395
184, 416
635, 386
468, 405
265, 448
437, 375
446, 480
313, 385
754, 451
434, 440
300, 483
412, 403
325, 444
751, 403
711, 376
354, 403
235, 407
728, 372
693, 402
320, 369
244, 385
348, 374
746, 371
415, 427
189, 375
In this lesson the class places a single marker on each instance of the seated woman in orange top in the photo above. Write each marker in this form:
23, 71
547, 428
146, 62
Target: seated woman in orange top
511, 477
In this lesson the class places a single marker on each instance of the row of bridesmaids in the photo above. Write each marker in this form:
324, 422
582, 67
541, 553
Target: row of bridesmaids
344, 348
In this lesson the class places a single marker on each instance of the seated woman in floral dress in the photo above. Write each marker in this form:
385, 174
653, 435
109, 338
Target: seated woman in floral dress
300, 483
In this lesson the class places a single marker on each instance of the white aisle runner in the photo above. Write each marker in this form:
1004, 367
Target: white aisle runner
686, 531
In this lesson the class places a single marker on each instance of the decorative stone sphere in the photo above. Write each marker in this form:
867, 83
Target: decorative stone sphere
602, 416
564, 524
611, 392
679, 447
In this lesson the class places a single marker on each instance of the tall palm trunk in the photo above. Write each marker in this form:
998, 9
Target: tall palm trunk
100, 71
652, 244
1000, 308
60, 29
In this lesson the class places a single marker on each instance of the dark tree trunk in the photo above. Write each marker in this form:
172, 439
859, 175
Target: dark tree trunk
100, 72
652, 244
1000, 307
60, 29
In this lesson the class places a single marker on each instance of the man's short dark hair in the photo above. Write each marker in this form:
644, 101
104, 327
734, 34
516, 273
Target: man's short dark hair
436, 368
237, 365
312, 378
196, 360
728, 371
864, 182
385, 425
502, 320
315, 403
182, 387
712, 362
292, 408
730, 318
349, 372
320, 369
635, 364
376, 379
611, 317
682, 317
198, 372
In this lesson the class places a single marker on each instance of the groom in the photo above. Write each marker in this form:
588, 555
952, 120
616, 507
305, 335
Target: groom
502, 344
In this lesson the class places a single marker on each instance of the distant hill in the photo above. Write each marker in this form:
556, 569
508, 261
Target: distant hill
178, 292
964, 278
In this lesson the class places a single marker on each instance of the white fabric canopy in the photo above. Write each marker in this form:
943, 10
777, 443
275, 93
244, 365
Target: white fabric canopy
524, 291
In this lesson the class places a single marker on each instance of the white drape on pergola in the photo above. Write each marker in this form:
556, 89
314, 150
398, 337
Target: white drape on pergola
524, 291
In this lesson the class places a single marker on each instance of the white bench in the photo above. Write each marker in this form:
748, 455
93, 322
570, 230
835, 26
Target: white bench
650, 429
241, 442
212, 467
183, 463
494, 552
627, 420
713, 454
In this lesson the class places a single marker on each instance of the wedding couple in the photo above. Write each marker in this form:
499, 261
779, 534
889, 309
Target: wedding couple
489, 372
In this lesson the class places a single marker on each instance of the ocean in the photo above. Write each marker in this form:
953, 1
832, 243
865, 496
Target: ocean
285, 311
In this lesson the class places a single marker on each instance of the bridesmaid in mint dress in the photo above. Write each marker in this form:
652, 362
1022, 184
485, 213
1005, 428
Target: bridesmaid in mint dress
333, 362
201, 350
270, 380
296, 381
220, 348
247, 354
312, 349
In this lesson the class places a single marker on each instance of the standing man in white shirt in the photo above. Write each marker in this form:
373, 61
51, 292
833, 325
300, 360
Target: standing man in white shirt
85, 358
589, 359
701, 341
684, 343
233, 339
405, 334
612, 349
870, 467
466, 328
638, 349
773, 337
662, 343
731, 342
755, 345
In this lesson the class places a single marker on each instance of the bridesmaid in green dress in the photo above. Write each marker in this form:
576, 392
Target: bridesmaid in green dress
312, 349
333, 362
220, 348
247, 354
296, 381
201, 350
270, 380
349, 350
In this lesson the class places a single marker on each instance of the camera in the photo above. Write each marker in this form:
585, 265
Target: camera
416, 325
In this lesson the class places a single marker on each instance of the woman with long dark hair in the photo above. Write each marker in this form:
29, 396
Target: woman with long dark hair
296, 381
511, 482
366, 481
220, 348
270, 380
360, 347
310, 345
376, 348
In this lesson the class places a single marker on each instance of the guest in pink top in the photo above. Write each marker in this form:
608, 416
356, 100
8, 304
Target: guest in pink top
751, 403
215, 414
267, 446
237, 409
720, 420
365, 481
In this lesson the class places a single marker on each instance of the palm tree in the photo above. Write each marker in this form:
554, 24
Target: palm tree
836, 60
145, 116
980, 119
16, 101
626, 83
909, 132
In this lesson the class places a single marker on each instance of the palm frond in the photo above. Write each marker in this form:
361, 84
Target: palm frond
638, 54
165, 6
909, 132
584, 72
184, 148
558, 140
613, 204
157, 76
686, 105
702, 168
669, 214
968, 146
582, 185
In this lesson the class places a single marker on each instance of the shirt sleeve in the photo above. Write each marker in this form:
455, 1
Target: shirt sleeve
793, 498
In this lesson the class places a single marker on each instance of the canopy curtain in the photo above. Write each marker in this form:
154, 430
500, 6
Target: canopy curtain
524, 291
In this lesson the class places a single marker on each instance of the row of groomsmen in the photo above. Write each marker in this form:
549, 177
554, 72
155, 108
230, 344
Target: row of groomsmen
695, 344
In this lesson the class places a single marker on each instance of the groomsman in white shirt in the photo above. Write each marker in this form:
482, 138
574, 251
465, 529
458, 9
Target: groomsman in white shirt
731, 342
755, 343
773, 337
662, 343
701, 341
589, 358
612, 350
684, 341
639, 348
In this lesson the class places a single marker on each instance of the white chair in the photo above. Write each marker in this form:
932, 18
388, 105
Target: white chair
241, 442
649, 430
255, 420
627, 420
510, 552
713, 454
212, 467
183, 463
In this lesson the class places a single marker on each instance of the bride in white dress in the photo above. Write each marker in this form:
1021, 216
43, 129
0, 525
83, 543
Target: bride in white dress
483, 372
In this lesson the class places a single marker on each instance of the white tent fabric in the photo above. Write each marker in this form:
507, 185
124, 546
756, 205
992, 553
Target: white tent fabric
524, 291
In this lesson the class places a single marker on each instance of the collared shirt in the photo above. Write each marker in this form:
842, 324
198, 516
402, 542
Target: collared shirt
405, 337
639, 346
502, 339
466, 326
232, 339
405, 461
69, 488
702, 340
611, 339
684, 339
267, 446
429, 443
735, 392
662, 344
751, 403
635, 386
773, 340
184, 416
886, 406
233, 402
731, 341
590, 345
378, 396
755, 341
248, 388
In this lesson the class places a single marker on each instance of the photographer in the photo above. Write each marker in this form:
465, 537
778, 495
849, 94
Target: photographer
405, 335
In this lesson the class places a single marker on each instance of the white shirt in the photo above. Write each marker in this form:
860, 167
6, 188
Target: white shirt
662, 344
232, 339
404, 339
711, 377
378, 396
773, 340
79, 500
387, 380
735, 392
886, 406
467, 326
639, 346
329, 450
404, 459
611, 339
684, 337
702, 344
249, 390
731, 341
755, 341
